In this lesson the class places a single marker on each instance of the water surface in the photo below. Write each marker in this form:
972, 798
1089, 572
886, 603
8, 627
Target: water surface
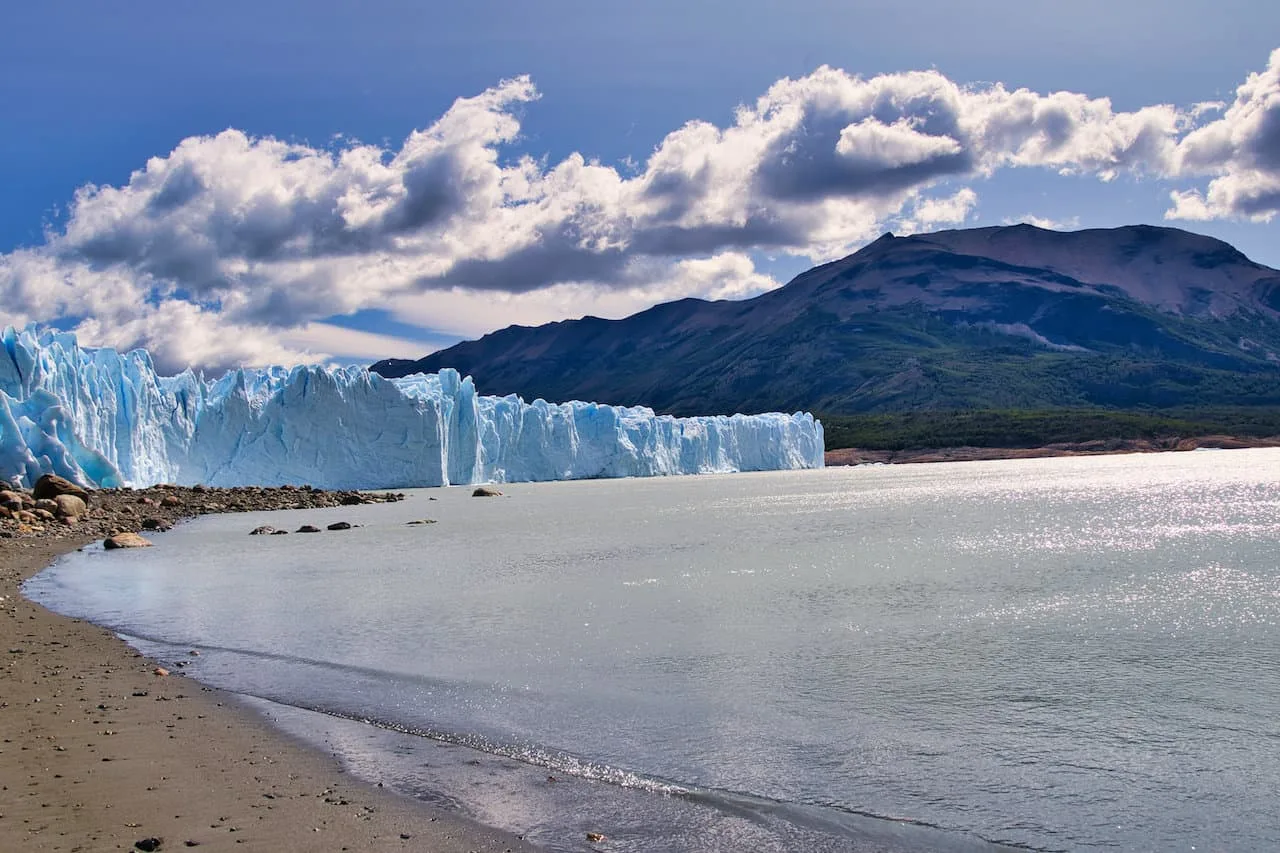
1059, 654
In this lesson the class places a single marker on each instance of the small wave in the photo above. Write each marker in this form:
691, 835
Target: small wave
826, 818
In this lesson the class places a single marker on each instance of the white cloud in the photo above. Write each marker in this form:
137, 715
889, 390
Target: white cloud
1241, 150
327, 342
1069, 224
471, 313
229, 247
930, 214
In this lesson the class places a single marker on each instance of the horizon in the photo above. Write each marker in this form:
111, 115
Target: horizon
196, 182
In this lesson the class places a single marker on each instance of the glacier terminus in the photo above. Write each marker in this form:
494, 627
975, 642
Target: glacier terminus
107, 419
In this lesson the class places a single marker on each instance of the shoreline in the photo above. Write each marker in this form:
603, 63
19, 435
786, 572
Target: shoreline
99, 751
1100, 447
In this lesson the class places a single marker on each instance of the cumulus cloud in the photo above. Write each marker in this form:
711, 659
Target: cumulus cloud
930, 214
229, 248
1241, 150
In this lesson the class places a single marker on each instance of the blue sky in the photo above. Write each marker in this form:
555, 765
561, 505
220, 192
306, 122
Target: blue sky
316, 230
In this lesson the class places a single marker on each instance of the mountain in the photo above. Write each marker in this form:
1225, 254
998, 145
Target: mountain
1006, 317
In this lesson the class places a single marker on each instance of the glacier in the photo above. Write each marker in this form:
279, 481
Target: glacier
106, 419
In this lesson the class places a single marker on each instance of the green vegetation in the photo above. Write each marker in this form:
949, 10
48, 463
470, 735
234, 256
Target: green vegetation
1010, 428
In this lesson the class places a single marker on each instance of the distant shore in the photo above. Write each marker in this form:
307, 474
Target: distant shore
1100, 447
100, 750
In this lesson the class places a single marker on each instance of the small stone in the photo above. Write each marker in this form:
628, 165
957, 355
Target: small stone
264, 530
158, 524
595, 837
147, 845
340, 525
308, 528
161, 671
171, 501
486, 492
125, 540
279, 533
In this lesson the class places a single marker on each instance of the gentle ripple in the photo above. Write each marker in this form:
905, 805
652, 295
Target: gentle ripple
1058, 654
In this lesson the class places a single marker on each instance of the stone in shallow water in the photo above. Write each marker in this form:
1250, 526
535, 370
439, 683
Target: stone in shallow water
125, 540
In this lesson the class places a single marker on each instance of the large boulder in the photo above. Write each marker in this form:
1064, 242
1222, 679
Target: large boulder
125, 540
70, 506
51, 485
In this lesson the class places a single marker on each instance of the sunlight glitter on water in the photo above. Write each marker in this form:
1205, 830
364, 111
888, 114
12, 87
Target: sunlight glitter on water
1055, 653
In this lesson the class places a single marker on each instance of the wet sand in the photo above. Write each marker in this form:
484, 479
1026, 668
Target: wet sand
98, 752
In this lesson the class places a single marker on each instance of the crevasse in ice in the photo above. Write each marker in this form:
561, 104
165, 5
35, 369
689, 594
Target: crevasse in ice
107, 419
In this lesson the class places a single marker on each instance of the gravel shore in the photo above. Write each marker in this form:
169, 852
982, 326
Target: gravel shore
100, 752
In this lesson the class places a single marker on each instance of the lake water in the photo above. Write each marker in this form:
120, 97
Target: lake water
1061, 654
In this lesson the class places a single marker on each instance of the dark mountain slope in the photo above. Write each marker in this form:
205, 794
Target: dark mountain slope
982, 318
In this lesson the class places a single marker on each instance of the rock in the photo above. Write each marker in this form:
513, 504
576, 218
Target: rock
596, 837
125, 540
351, 499
308, 528
279, 533
160, 671
486, 492
51, 485
340, 525
70, 520
69, 505
422, 521
158, 524
47, 504
147, 845
171, 501
264, 530
43, 514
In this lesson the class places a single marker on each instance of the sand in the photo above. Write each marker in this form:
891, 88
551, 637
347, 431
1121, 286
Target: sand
98, 752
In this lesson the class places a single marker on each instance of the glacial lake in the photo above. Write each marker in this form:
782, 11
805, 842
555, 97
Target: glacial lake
1059, 654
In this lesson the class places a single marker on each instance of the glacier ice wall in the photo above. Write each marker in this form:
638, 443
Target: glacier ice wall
105, 418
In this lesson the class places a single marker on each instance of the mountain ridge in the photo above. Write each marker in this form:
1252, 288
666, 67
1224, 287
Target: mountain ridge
999, 317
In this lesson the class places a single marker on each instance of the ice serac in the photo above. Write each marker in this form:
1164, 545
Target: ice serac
104, 418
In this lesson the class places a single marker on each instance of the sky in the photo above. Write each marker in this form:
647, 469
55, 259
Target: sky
242, 183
